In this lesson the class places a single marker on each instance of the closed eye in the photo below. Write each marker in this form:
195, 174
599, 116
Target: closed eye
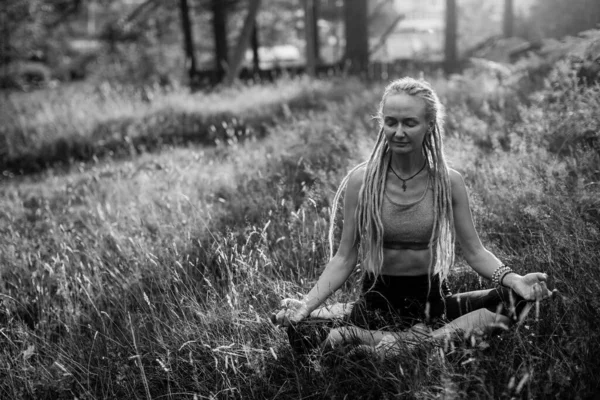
390, 121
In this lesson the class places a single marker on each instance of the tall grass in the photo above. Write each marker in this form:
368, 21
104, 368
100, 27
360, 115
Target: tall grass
154, 277
81, 123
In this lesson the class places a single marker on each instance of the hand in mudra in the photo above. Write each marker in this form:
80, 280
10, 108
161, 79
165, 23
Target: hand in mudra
292, 311
532, 287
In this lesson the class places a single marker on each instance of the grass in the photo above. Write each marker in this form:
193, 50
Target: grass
154, 276
82, 123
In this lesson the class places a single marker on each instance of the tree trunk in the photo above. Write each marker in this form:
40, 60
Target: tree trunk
186, 25
255, 46
5, 54
243, 41
509, 18
309, 31
383, 38
141, 11
317, 42
219, 25
356, 57
450, 51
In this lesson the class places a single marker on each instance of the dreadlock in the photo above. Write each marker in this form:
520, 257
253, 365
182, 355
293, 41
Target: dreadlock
370, 198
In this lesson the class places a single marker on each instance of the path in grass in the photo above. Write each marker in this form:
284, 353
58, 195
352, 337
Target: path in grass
69, 125
157, 274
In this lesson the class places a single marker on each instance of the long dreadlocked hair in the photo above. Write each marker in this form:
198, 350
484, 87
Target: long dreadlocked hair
368, 213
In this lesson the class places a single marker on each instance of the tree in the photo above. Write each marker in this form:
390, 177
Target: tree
450, 51
219, 25
255, 45
32, 38
315, 29
26, 25
558, 18
356, 56
243, 41
478, 22
311, 37
385, 34
383, 17
279, 21
186, 26
509, 18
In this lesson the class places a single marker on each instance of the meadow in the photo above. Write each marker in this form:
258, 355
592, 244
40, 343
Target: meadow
130, 270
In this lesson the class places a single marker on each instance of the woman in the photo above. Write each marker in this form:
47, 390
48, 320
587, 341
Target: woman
402, 209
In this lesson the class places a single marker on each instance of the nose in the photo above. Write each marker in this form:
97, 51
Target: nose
399, 130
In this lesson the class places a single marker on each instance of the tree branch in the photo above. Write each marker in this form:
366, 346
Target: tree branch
385, 34
243, 41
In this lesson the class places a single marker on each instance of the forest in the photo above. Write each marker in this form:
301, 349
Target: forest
167, 174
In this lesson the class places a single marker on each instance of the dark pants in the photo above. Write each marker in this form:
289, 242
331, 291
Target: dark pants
399, 302
394, 303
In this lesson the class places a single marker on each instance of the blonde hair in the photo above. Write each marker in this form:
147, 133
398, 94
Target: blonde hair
368, 212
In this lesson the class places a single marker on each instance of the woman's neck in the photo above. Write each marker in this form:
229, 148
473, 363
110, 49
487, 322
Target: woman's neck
407, 164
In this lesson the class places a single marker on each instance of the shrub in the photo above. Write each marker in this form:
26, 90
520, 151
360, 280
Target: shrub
24, 76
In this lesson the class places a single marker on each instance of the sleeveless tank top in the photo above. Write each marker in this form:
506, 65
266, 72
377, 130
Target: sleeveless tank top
408, 226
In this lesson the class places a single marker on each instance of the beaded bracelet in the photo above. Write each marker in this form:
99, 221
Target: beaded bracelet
503, 275
500, 273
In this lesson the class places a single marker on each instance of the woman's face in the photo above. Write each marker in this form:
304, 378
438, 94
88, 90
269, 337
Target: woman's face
404, 123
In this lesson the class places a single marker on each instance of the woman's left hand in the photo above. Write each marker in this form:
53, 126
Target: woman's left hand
531, 287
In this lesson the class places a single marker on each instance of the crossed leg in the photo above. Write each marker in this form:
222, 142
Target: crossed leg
479, 321
468, 312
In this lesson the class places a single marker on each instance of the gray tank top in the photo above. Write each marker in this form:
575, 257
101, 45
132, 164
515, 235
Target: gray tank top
408, 226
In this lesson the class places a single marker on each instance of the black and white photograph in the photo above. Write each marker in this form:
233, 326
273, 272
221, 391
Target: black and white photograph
300, 199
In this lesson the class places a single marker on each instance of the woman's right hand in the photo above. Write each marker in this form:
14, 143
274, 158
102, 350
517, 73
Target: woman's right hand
292, 311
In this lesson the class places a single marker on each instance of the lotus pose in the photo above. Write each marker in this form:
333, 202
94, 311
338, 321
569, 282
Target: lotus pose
403, 209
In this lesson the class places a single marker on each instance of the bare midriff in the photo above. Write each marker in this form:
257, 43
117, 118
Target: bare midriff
406, 262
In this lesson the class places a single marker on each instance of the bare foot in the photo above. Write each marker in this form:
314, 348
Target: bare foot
335, 338
396, 343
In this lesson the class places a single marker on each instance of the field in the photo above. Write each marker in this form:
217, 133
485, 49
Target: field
147, 236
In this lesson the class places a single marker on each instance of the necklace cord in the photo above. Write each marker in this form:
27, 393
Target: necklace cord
408, 179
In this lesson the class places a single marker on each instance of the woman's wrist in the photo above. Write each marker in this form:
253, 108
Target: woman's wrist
311, 304
500, 272
509, 279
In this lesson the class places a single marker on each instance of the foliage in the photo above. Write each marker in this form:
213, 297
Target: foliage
26, 29
25, 75
477, 21
155, 276
558, 18
141, 42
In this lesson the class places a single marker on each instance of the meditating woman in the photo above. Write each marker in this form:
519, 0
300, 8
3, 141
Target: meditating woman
403, 209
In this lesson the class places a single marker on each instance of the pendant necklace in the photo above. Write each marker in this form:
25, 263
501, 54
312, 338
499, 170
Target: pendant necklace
407, 179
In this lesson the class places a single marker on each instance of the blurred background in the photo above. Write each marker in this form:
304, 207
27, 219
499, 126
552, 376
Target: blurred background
204, 42
168, 167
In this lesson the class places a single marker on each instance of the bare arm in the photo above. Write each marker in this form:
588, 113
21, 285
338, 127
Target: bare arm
338, 269
476, 255
481, 259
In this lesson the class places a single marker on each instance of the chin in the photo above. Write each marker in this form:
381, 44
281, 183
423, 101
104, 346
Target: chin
402, 150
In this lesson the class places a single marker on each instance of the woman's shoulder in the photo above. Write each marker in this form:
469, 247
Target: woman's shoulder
457, 183
358, 172
455, 176
355, 178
